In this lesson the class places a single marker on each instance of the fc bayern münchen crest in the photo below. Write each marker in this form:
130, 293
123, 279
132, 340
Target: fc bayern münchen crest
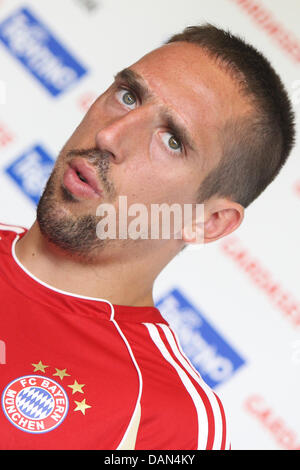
35, 404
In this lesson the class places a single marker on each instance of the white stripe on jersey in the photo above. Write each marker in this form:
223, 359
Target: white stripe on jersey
197, 377
228, 442
138, 402
12, 228
200, 408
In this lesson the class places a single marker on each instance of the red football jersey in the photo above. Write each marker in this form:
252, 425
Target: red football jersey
81, 373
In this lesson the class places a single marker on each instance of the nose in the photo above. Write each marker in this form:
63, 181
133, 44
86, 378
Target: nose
124, 133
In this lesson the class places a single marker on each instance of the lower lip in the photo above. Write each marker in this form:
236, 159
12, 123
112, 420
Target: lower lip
73, 183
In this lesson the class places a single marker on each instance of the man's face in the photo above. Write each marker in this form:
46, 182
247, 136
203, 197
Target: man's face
153, 136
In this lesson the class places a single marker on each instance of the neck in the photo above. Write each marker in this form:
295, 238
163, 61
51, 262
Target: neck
125, 281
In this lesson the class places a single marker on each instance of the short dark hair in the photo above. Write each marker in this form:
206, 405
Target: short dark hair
254, 147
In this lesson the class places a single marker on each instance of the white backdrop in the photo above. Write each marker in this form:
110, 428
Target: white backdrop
235, 303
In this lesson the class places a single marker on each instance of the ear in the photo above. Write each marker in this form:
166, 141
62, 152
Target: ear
220, 217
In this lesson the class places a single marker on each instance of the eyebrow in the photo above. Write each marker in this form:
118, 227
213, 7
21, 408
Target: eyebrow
136, 83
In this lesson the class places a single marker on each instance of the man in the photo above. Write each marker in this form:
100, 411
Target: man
91, 364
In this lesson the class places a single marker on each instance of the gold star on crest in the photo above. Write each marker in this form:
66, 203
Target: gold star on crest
76, 387
81, 406
61, 373
39, 367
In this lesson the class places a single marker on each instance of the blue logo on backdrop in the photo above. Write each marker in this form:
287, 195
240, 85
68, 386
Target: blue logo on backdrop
31, 171
209, 353
31, 42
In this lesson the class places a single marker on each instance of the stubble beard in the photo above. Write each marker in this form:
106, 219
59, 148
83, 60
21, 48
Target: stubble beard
75, 235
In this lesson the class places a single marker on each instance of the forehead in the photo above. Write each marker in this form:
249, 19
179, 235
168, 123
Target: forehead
201, 95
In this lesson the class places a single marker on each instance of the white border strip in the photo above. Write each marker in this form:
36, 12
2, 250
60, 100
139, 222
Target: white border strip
196, 376
200, 408
138, 402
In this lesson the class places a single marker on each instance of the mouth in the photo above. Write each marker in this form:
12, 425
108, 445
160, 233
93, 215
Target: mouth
80, 178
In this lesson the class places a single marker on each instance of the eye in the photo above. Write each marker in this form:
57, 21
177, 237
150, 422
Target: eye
172, 142
127, 98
